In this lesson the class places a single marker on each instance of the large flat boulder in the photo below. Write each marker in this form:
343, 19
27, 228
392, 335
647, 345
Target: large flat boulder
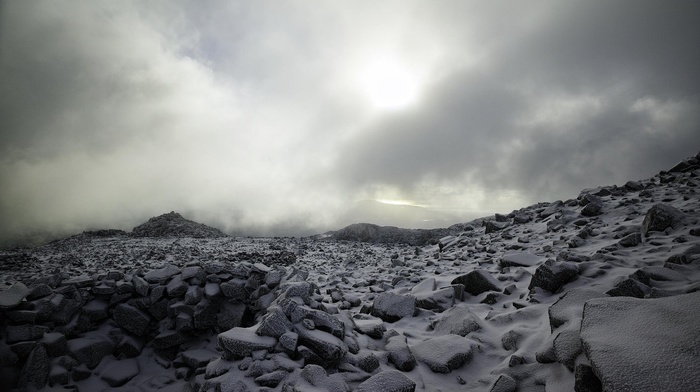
644, 344
443, 353
241, 342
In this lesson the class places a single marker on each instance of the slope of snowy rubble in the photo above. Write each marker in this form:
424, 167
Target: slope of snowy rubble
600, 292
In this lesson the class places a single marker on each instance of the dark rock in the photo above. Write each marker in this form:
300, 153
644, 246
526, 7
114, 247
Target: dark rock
234, 289
161, 275
328, 347
444, 353
569, 308
552, 276
567, 346
399, 353
370, 326
168, 339
586, 380
660, 217
504, 383
131, 319
274, 324
515, 360
289, 340
176, 287
391, 307
241, 342
90, 350
19, 333
387, 381
592, 209
230, 315
510, 340
630, 240
629, 288
271, 379
35, 372
492, 226
368, 362
477, 282
55, 344
119, 373
552, 209
173, 224
13, 296
457, 321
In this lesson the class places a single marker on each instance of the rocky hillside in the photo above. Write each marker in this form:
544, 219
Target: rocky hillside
600, 292
174, 225
367, 232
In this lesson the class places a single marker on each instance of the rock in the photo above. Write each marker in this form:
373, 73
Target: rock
552, 209
387, 381
194, 295
130, 318
274, 324
660, 217
504, 383
519, 259
13, 296
36, 369
569, 308
289, 340
241, 342
326, 322
593, 208
328, 347
391, 307
585, 380
176, 287
477, 282
567, 346
19, 333
55, 344
197, 358
551, 276
629, 353
399, 353
444, 353
457, 321
271, 379
494, 226
234, 289
168, 339
161, 275
230, 315
629, 288
119, 373
368, 362
370, 326
90, 350
438, 300
631, 240
510, 340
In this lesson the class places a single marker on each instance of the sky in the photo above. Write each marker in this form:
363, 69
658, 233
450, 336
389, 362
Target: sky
274, 117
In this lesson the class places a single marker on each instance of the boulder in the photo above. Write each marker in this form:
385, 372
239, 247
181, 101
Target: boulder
161, 275
328, 347
132, 319
241, 342
35, 372
399, 353
370, 326
630, 352
119, 373
90, 350
274, 324
660, 217
629, 288
567, 346
477, 282
443, 353
13, 296
387, 381
392, 307
569, 308
519, 259
551, 276
457, 321
585, 380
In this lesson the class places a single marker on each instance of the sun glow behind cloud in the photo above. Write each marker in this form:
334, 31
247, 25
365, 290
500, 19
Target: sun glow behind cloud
389, 84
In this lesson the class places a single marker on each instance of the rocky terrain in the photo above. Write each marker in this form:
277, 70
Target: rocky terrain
599, 292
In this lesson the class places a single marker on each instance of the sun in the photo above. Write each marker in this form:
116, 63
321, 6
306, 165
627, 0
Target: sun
389, 85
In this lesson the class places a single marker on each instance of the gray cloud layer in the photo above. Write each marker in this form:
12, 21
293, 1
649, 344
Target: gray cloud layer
248, 114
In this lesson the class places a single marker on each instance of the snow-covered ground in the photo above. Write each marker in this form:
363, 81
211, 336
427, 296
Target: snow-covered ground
552, 297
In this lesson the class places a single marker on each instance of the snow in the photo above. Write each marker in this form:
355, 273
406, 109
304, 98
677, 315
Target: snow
644, 344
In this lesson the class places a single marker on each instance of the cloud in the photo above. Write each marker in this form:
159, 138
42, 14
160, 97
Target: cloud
249, 115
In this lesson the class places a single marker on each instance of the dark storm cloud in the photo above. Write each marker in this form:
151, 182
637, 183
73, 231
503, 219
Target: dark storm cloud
593, 93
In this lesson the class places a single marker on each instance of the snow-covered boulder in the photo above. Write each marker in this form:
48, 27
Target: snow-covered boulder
392, 307
387, 381
443, 353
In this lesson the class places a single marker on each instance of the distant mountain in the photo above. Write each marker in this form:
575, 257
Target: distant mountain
173, 224
367, 232
399, 215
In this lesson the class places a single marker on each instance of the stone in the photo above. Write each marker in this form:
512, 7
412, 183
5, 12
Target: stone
13, 296
168, 339
230, 315
132, 319
567, 346
569, 308
90, 350
289, 340
234, 289
241, 342
55, 344
504, 383
36, 369
176, 287
19, 333
197, 358
457, 321
477, 282
328, 347
551, 209
399, 353
631, 348
593, 208
438, 300
660, 217
370, 326
367, 362
392, 307
519, 259
271, 379
552, 276
629, 288
585, 380
510, 340
161, 275
194, 295
119, 373
274, 324
387, 381
443, 353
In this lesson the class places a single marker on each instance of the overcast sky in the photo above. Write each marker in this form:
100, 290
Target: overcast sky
277, 115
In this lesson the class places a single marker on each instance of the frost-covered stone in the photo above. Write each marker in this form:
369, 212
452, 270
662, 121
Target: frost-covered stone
19, 333
387, 381
477, 282
629, 288
274, 324
36, 370
444, 353
570, 307
457, 321
370, 326
169, 338
119, 373
161, 275
519, 259
241, 342
197, 358
629, 352
399, 353
660, 217
552, 276
13, 296
326, 346
392, 307
90, 350
504, 383
567, 346
131, 319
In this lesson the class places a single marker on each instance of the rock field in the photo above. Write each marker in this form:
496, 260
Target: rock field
597, 293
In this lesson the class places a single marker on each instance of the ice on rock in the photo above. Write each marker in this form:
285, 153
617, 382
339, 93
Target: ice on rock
519, 259
392, 307
477, 282
457, 321
444, 353
241, 342
387, 381
13, 296
644, 344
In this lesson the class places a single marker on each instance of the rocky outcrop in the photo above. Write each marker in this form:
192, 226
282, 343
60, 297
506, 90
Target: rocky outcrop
173, 224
